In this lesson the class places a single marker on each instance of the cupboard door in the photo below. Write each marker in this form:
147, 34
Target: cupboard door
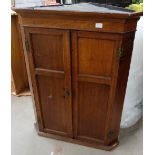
48, 53
94, 68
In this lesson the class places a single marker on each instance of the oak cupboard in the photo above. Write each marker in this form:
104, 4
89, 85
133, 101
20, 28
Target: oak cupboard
78, 64
19, 79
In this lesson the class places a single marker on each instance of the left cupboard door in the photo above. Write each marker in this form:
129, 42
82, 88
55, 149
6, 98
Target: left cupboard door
48, 57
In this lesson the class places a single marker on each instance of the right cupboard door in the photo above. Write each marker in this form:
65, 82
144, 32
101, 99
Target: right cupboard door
94, 68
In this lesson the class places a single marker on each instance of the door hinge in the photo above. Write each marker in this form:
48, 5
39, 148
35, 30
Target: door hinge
110, 134
121, 53
27, 45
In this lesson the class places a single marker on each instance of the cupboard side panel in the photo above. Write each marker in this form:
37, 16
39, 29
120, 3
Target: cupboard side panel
31, 77
115, 113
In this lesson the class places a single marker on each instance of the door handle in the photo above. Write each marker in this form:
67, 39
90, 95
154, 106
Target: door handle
66, 93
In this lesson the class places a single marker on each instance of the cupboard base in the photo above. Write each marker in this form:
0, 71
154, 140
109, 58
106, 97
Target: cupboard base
76, 141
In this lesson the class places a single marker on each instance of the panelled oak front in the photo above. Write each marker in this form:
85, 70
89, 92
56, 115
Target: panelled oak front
49, 58
92, 85
78, 64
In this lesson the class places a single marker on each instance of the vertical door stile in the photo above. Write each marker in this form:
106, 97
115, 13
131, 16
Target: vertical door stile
67, 70
109, 132
74, 81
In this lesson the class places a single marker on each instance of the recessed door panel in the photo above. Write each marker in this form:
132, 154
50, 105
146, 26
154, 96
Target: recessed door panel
92, 109
48, 51
95, 56
53, 103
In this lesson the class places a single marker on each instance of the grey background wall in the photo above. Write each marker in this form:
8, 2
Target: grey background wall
27, 3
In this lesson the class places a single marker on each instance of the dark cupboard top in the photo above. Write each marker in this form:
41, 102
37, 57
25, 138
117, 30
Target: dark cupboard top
84, 8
